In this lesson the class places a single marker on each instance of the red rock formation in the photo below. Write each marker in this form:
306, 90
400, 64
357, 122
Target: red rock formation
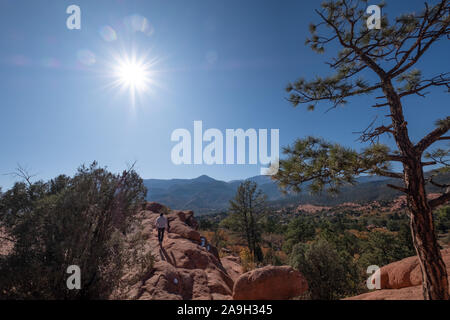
154, 207
183, 269
409, 293
401, 280
309, 208
186, 270
270, 283
406, 273
233, 266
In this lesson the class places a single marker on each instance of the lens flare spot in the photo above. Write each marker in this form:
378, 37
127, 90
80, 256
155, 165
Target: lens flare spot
138, 23
108, 33
86, 57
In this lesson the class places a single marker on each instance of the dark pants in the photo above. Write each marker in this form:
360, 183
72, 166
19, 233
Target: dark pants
161, 234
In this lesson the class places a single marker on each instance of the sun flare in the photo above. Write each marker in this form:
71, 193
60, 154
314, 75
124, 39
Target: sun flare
133, 74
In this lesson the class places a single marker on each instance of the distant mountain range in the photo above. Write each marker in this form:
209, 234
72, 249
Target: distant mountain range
206, 195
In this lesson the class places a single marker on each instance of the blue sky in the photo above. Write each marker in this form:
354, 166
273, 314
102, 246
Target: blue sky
225, 63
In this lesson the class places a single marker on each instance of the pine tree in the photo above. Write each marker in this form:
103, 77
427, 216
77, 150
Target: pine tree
245, 213
380, 62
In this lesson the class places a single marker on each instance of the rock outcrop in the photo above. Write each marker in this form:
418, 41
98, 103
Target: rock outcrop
233, 266
270, 283
183, 268
401, 280
187, 267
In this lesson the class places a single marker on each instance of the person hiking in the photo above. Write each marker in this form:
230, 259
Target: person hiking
161, 224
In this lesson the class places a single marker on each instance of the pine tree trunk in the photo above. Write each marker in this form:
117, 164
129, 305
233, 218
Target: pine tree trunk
434, 272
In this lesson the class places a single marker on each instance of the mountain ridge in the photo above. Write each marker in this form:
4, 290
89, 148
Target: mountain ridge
207, 195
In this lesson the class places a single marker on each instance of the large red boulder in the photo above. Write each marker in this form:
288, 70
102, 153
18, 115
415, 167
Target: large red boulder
270, 283
401, 280
409, 293
406, 273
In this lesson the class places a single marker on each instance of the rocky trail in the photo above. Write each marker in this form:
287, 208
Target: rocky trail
187, 268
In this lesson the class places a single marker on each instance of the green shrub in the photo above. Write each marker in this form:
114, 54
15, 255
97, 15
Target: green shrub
442, 219
329, 275
299, 230
81, 221
384, 247
270, 258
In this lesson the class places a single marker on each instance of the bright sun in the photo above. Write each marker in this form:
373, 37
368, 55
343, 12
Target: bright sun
132, 74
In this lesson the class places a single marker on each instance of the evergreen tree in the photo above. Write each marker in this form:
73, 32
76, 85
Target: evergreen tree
299, 230
380, 62
246, 210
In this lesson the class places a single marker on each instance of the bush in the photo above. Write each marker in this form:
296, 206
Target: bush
299, 230
83, 221
271, 258
247, 260
384, 247
329, 275
442, 219
219, 239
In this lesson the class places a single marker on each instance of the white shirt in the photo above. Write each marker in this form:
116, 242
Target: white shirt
161, 222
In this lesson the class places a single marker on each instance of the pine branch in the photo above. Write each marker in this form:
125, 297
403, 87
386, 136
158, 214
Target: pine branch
435, 135
404, 190
417, 88
424, 33
430, 163
443, 199
389, 174
439, 185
